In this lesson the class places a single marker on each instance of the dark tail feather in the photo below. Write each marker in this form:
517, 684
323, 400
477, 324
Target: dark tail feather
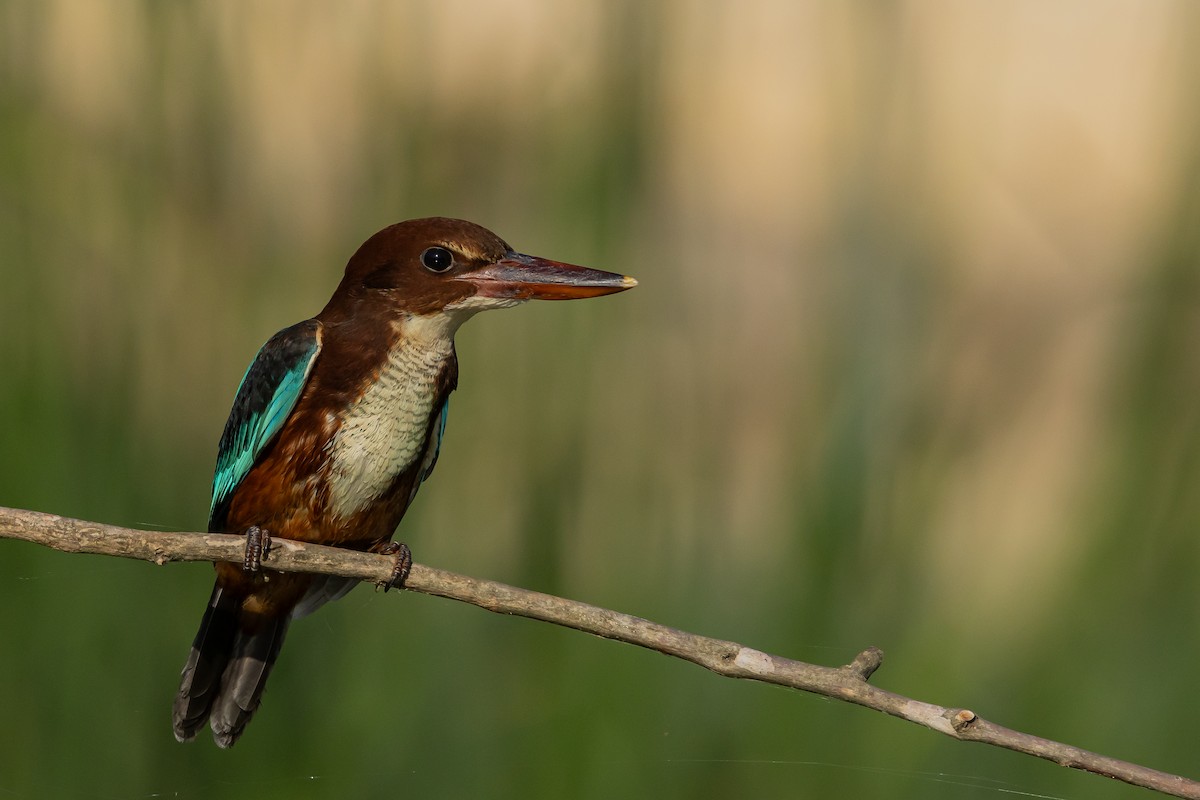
211, 651
250, 663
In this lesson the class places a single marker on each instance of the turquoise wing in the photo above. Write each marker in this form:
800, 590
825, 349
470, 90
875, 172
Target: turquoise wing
431, 460
265, 398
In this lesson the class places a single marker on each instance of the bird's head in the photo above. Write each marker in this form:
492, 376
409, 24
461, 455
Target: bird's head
439, 265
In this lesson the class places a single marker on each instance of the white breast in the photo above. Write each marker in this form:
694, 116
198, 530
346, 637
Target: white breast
385, 431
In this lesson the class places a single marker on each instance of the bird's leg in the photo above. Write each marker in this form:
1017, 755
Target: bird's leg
400, 569
258, 547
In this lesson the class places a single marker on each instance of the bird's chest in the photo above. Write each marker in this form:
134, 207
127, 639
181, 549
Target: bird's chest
387, 430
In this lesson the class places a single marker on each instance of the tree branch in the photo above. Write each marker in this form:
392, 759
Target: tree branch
733, 660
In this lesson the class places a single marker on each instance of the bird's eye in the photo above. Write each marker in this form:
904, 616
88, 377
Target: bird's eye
437, 259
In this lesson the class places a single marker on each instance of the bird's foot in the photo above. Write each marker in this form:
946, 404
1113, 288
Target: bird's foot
258, 547
400, 569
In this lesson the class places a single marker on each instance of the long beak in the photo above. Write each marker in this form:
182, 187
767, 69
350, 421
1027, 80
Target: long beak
529, 277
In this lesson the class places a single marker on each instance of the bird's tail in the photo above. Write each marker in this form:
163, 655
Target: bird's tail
226, 671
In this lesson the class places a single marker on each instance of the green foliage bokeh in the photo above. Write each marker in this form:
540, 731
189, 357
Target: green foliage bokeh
914, 362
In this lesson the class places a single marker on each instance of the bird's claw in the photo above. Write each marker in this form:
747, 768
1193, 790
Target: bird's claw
400, 569
258, 547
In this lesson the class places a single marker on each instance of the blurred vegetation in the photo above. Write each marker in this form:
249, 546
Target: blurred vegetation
914, 362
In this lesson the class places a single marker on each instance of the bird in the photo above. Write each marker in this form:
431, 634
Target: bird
336, 424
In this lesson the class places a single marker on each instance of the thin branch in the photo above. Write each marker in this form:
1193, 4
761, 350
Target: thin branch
733, 660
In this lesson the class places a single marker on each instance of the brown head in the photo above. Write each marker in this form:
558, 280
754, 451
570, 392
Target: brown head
426, 266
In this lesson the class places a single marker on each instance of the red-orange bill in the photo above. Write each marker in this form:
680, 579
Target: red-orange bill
531, 278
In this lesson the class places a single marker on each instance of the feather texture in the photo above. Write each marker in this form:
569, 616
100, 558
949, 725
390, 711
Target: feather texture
387, 430
201, 679
245, 675
266, 396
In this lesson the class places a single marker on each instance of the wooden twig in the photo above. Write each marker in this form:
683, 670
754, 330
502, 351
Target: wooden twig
847, 683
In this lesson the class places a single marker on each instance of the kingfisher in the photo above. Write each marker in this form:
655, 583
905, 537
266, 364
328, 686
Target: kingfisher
336, 424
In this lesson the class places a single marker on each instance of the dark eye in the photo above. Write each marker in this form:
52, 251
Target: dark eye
437, 259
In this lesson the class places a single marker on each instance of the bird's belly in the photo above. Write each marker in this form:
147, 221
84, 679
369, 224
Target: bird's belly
385, 432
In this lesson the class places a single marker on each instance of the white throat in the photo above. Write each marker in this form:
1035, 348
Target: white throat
386, 430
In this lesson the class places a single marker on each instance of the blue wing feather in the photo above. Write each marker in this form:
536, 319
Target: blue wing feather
437, 443
265, 398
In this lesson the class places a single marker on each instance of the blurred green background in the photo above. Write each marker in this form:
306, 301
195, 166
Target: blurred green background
914, 362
